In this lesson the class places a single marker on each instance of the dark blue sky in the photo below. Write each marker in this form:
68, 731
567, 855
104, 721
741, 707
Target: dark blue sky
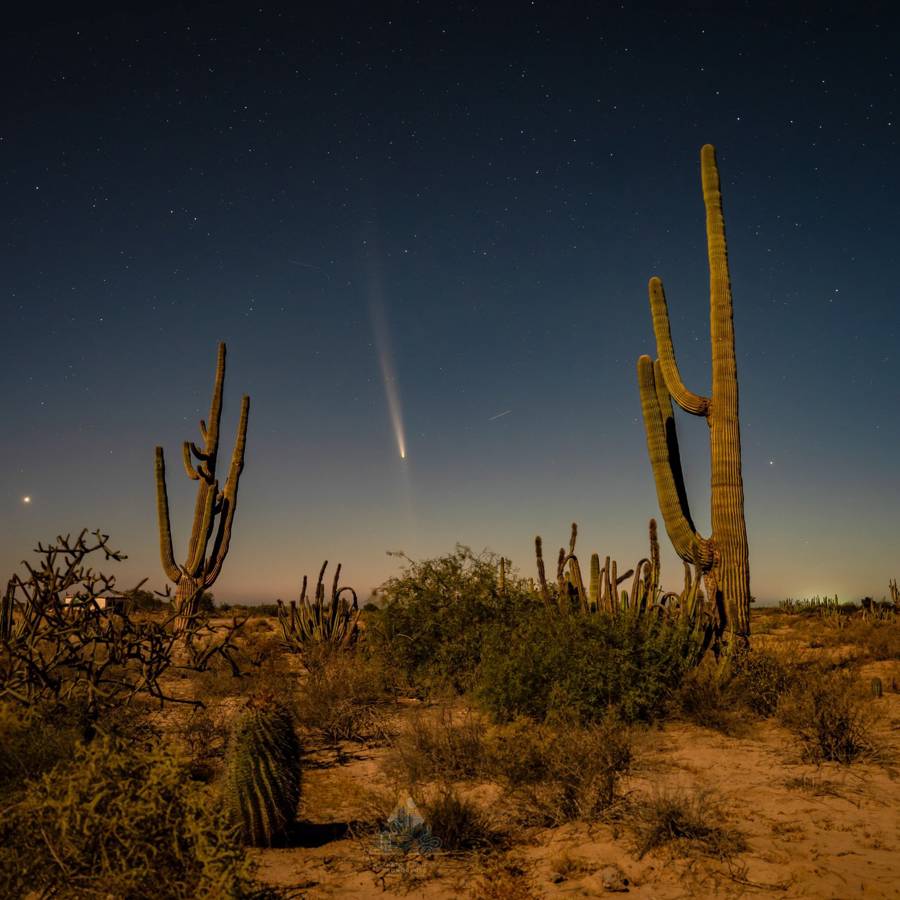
495, 183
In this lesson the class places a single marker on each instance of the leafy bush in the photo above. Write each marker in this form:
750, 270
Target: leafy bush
704, 699
32, 741
827, 713
759, 680
582, 665
119, 821
433, 616
555, 774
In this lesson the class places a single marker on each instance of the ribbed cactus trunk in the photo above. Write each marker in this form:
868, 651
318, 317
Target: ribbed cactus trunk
731, 570
723, 558
187, 602
213, 510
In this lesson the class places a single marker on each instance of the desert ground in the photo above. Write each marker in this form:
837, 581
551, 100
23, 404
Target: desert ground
797, 828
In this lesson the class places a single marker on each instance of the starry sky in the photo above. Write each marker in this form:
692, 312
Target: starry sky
433, 223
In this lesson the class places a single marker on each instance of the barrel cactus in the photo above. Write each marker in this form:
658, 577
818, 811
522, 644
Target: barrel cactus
263, 774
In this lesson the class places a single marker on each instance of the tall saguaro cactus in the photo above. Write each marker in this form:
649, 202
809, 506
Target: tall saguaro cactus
213, 511
723, 558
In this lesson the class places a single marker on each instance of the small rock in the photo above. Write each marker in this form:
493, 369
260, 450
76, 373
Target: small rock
613, 880
557, 878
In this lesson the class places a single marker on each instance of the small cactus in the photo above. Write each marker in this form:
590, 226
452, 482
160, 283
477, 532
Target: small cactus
877, 687
263, 774
316, 623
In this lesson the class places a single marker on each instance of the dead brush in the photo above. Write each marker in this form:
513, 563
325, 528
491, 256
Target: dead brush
458, 823
438, 746
344, 699
827, 713
555, 774
687, 822
502, 878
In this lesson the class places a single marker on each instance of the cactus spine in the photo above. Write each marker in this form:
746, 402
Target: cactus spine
263, 777
722, 558
201, 568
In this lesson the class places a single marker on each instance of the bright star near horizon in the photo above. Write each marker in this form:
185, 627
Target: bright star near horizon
26, 499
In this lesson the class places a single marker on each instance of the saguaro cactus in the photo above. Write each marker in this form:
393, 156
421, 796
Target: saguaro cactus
213, 512
723, 558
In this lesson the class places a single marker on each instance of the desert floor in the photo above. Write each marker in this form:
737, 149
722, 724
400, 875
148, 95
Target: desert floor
824, 831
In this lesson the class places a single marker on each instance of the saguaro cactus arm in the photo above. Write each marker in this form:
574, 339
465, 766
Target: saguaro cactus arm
228, 499
170, 567
687, 400
665, 460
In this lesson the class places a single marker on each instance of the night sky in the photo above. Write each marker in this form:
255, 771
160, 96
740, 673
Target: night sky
463, 202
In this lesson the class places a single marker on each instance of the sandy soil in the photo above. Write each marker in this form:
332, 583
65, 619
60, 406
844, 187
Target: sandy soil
828, 831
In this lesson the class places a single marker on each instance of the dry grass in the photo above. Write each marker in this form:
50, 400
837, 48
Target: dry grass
501, 878
458, 823
828, 714
438, 745
553, 775
685, 822
344, 699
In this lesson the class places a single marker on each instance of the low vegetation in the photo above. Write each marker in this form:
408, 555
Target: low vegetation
499, 711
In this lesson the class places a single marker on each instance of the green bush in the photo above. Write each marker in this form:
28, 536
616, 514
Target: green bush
123, 821
581, 665
434, 615
33, 740
759, 680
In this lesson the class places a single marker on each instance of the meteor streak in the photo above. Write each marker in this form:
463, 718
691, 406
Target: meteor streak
505, 412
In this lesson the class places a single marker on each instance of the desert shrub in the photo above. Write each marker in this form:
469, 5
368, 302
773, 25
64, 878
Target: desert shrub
582, 665
686, 819
704, 699
119, 820
758, 680
555, 774
825, 710
343, 697
879, 640
501, 878
458, 823
438, 746
433, 616
32, 741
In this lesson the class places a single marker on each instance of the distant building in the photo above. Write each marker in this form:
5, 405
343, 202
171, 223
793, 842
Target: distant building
115, 604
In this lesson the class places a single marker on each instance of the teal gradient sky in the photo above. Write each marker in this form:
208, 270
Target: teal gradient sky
497, 189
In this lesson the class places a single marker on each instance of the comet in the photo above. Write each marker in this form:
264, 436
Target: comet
385, 360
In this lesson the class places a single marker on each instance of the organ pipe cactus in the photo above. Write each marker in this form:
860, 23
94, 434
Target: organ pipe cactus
213, 511
313, 622
722, 558
263, 772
